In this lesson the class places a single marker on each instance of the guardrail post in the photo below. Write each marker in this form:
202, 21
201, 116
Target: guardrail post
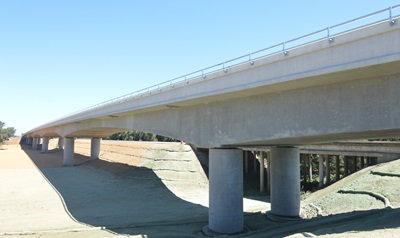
251, 61
392, 22
330, 39
284, 50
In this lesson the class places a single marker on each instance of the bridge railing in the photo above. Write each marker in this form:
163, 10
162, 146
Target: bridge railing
390, 15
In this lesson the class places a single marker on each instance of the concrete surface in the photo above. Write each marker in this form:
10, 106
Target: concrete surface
226, 191
95, 144
351, 84
45, 144
285, 181
68, 158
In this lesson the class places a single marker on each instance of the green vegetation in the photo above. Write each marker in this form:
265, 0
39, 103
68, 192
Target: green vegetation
347, 166
138, 136
6, 133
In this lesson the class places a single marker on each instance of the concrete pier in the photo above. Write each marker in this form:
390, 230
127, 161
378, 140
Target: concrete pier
262, 171
35, 143
45, 144
226, 191
269, 173
328, 170
337, 161
95, 147
246, 162
61, 143
69, 145
285, 181
310, 167
321, 170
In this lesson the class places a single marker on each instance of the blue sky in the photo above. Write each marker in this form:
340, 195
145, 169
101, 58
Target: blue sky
57, 57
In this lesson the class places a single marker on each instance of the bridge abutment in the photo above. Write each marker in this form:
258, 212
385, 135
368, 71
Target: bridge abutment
95, 147
226, 191
69, 144
45, 144
285, 182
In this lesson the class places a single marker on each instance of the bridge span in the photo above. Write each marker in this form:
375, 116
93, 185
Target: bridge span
340, 87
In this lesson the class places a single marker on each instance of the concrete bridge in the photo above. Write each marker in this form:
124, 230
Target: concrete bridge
340, 87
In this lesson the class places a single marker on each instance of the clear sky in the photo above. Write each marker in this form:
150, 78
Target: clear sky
57, 57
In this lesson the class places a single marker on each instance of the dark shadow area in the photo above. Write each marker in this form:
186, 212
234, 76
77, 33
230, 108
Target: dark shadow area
116, 196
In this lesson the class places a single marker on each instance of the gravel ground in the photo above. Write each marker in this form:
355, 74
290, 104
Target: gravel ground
159, 190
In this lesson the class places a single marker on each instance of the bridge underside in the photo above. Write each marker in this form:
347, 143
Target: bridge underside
310, 140
355, 109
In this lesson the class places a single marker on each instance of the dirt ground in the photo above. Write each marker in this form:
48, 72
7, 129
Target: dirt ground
159, 190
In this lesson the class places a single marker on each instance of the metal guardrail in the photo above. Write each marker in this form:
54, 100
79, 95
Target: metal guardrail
387, 14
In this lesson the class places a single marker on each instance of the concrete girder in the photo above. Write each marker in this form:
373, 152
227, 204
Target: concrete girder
351, 83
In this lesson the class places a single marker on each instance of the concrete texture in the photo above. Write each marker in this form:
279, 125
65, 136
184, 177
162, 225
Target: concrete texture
45, 144
95, 148
351, 83
285, 181
60, 143
384, 150
226, 191
68, 158
35, 143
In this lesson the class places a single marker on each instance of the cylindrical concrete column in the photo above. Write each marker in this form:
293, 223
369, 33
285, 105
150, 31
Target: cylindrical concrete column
346, 166
95, 148
362, 162
337, 167
262, 171
35, 143
304, 163
269, 173
255, 162
69, 145
328, 170
321, 170
226, 191
61, 143
354, 164
45, 144
285, 181
310, 168
246, 162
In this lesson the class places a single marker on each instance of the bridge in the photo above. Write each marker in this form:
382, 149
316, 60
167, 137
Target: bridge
339, 86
